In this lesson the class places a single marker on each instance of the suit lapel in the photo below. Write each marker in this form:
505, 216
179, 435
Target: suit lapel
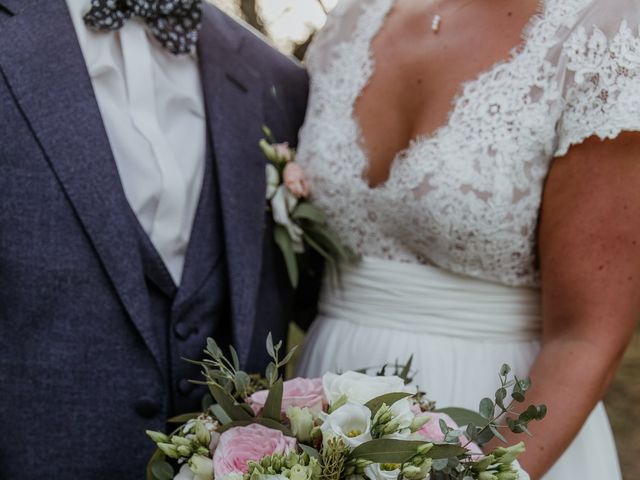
234, 108
42, 62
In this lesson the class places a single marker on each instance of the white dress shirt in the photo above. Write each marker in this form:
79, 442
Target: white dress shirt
153, 111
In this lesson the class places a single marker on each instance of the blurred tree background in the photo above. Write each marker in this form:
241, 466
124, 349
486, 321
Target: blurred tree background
290, 24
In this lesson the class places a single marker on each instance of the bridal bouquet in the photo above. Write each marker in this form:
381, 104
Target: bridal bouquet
352, 425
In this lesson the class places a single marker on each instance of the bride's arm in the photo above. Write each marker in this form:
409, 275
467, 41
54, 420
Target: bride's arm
589, 250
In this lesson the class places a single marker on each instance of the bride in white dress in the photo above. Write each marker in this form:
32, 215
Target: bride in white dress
504, 230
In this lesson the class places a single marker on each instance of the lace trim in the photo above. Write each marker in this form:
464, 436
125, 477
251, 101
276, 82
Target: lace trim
465, 198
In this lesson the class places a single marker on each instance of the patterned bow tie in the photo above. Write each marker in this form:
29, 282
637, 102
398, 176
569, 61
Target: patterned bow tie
175, 23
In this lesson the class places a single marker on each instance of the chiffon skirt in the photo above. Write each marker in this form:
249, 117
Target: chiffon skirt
460, 331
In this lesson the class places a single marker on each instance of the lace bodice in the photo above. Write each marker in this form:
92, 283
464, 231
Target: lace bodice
467, 197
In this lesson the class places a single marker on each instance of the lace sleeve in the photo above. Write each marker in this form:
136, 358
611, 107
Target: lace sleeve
600, 65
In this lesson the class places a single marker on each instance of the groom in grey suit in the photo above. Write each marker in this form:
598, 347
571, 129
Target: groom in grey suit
132, 222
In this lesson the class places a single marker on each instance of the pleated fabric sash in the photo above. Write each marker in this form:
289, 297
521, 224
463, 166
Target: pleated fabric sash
427, 300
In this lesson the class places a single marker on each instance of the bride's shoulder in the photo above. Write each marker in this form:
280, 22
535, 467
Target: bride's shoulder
347, 24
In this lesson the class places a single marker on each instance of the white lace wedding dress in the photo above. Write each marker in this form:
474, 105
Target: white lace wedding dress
448, 242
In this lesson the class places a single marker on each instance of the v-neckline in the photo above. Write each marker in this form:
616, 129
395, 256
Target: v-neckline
423, 138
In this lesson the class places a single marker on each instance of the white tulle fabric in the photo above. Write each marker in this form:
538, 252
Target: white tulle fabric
448, 241
460, 331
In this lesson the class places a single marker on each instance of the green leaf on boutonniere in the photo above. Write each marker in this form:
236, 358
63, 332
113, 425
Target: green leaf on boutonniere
228, 404
388, 399
283, 241
307, 211
273, 405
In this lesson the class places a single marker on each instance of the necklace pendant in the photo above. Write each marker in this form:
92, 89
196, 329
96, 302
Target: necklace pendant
435, 23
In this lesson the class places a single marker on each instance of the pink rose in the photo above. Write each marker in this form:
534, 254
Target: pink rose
283, 152
295, 181
239, 445
431, 430
299, 392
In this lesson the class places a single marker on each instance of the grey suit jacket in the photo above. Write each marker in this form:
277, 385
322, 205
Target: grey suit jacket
82, 374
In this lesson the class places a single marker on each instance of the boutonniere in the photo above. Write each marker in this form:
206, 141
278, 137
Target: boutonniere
299, 225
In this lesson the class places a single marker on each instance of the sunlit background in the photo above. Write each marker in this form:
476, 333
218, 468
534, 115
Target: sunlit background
290, 25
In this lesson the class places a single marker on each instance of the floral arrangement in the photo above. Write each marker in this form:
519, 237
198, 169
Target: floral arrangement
300, 225
350, 425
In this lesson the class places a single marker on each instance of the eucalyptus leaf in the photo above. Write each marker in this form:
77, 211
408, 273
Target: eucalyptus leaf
184, 418
501, 394
270, 349
157, 456
386, 450
267, 422
228, 404
289, 355
445, 450
389, 399
273, 405
407, 370
234, 356
219, 414
312, 452
487, 408
505, 370
497, 434
284, 242
463, 417
162, 470
307, 211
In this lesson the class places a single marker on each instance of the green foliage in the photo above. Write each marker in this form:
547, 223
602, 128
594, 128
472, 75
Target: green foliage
333, 459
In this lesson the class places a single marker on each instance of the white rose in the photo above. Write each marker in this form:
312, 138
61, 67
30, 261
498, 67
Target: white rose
359, 387
273, 180
301, 423
282, 204
375, 471
231, 476
351, 422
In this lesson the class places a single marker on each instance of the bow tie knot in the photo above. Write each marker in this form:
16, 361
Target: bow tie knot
174, 23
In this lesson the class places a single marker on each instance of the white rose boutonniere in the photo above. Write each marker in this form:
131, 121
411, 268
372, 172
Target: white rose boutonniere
299, 225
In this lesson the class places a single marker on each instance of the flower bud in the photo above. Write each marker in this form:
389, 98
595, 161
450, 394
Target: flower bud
169, 449
424, 448
157, 437
419, 422
202, 434
487, 476
184, 451
507, 475
180, 441
202, 467
507, 456
391, 428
